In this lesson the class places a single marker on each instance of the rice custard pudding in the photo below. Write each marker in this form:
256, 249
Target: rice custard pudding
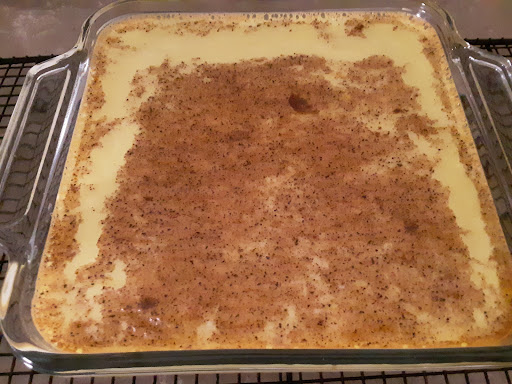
272, 181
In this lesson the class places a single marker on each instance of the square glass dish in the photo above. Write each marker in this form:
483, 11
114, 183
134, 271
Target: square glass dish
34, 150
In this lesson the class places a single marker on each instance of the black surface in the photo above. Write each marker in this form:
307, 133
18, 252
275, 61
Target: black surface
12, 75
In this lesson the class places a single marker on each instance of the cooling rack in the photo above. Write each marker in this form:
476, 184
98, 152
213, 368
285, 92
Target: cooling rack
12, 370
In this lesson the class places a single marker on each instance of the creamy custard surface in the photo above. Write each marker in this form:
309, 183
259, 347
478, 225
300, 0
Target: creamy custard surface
272, 181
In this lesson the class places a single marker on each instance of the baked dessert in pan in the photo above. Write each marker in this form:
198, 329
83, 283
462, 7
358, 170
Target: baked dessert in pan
299, 180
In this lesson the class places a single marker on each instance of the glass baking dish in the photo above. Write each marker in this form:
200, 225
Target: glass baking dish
33, 154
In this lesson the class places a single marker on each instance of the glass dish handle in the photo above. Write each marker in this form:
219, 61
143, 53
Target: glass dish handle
487, 101
31, 150
31, 155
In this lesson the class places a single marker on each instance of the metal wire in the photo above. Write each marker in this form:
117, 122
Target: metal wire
500, 46
12, 371
12, 75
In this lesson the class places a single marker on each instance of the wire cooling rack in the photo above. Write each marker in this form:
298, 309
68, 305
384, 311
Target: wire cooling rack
12, 370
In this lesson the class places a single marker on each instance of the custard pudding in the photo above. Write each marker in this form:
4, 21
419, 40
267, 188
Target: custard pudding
299, 180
